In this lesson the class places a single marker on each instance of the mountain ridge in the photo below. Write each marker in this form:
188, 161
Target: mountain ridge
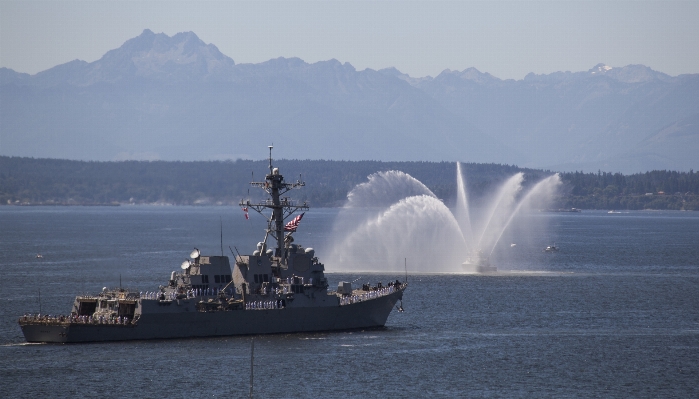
153, 48
158, 96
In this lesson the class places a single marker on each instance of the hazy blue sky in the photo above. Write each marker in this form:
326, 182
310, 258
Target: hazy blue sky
507, 39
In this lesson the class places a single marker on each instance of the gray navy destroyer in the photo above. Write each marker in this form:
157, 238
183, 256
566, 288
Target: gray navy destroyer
278, 289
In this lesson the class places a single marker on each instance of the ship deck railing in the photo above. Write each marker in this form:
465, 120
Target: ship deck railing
74, 319
361, 296
188, 294
264, 305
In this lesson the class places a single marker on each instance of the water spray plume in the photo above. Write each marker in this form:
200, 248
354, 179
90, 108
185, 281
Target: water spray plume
394, 216
462, 208
420, 228
500, 210
385, 189
545, 188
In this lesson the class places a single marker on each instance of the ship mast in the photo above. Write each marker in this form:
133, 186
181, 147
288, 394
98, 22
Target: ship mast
282, 207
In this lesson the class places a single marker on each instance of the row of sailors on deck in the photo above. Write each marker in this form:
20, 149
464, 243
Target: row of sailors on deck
84, 319
101, 319
40, 316
346, 300
257, 305
150, 295
159, 295
47, 317
194, 292
206, 292
298, 280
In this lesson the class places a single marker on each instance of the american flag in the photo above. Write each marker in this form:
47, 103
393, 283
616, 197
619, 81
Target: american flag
294, 223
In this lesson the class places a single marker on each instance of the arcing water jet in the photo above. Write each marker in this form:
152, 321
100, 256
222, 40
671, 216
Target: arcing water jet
393, 216
504, 206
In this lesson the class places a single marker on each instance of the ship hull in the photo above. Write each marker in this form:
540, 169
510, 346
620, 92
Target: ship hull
188, 324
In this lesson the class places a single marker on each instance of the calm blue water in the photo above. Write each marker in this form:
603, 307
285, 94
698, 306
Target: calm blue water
614, 314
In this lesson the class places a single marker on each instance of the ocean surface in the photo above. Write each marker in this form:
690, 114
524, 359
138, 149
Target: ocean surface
615, 313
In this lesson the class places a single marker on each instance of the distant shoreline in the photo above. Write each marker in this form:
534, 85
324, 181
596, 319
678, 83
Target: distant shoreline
162, 205
50, 182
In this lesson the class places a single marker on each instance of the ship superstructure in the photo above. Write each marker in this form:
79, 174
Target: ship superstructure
280, 288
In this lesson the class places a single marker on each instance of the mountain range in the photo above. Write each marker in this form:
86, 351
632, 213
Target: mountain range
178, 98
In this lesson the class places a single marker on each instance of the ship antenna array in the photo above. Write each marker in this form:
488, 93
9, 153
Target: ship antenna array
275, 187
270, 158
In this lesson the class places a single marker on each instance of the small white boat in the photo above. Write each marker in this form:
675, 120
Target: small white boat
551, 248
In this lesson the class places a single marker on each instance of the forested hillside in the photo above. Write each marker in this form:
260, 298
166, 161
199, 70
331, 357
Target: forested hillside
29, 181
658, 189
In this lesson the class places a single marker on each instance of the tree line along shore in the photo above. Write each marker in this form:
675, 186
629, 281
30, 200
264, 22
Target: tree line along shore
30, 181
